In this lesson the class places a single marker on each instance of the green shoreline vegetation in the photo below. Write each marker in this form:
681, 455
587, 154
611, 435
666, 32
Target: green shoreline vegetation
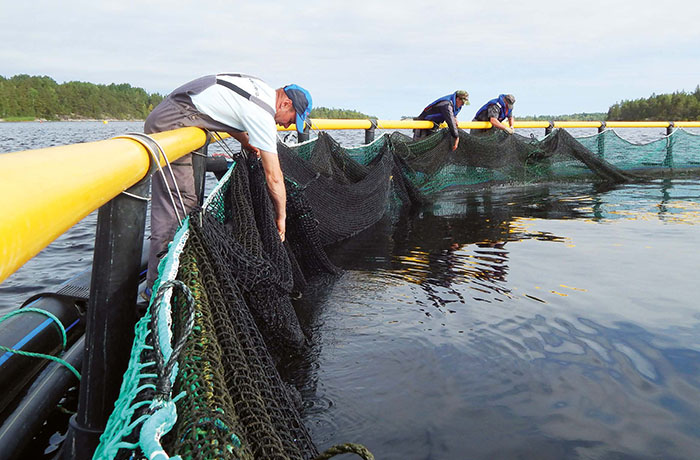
324, 112
18, 119
29, 98
25, 97
678, 106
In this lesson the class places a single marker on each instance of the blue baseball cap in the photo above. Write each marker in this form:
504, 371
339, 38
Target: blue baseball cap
301, 100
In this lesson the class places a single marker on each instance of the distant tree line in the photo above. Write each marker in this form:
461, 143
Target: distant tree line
662, 107
27, 97
324, 112
40, 97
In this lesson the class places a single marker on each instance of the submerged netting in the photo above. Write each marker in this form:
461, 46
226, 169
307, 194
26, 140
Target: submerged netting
224, 398
678, 150
498, 157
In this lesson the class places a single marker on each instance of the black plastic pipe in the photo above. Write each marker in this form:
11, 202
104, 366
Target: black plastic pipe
26, 419
38, 333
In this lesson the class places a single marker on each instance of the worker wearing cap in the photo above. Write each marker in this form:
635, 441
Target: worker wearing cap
241, 105
495, 111
442, 110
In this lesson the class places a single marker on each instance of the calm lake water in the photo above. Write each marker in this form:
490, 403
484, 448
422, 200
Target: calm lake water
551, 321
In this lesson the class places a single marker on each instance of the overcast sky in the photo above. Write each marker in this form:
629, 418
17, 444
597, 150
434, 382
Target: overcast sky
384, 58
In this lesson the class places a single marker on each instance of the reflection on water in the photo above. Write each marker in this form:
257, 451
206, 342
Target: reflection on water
553, 321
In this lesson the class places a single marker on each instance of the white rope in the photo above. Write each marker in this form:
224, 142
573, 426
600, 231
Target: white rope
140, 137
138, 197
172, 176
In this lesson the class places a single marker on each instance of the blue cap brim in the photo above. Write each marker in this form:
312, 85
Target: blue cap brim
301, 99
300, 124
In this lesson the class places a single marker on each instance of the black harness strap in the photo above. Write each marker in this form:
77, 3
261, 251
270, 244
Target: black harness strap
240, 91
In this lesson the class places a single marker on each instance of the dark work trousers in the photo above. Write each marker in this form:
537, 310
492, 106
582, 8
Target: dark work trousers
169, 115
164, 219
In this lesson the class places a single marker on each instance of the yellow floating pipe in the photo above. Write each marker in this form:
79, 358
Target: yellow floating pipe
474, 124
331, 124
686, 124
637, 124
577, 124
404, 124
45, 192
340, 124
531, 124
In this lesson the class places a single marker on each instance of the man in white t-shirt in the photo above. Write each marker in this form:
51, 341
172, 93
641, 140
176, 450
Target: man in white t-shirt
242, 105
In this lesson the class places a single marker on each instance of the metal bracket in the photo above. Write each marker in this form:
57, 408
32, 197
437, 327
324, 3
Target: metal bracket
152, 147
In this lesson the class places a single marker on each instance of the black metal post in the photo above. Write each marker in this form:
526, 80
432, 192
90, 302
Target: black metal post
199, 167
111, 317
668, 161
369, 133
304, 136
601, 139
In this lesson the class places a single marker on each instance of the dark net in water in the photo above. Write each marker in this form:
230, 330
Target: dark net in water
498, 157
232, 401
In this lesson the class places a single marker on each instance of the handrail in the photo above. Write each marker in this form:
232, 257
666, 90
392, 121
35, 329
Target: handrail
45, 192
332, 124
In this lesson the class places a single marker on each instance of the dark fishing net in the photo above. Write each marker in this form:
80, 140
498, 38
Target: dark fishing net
231, 383
249, 249
498, 157
208, 425
235, 403
346, 197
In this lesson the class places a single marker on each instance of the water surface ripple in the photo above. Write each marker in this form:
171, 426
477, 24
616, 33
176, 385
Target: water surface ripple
550, 321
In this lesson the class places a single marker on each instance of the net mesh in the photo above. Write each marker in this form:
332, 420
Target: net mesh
229, 397
679, 150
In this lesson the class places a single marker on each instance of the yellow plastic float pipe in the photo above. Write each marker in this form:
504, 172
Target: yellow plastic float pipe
331, 124
340, 124
404, 124
577, 124
531, 124
637, 124
45, 192
473, 124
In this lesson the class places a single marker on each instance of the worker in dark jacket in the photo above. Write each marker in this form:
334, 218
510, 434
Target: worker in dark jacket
442, 110
496, 111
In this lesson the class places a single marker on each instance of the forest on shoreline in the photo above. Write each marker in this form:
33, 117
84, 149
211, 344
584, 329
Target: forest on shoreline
325, 112
25, 98
678, 106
